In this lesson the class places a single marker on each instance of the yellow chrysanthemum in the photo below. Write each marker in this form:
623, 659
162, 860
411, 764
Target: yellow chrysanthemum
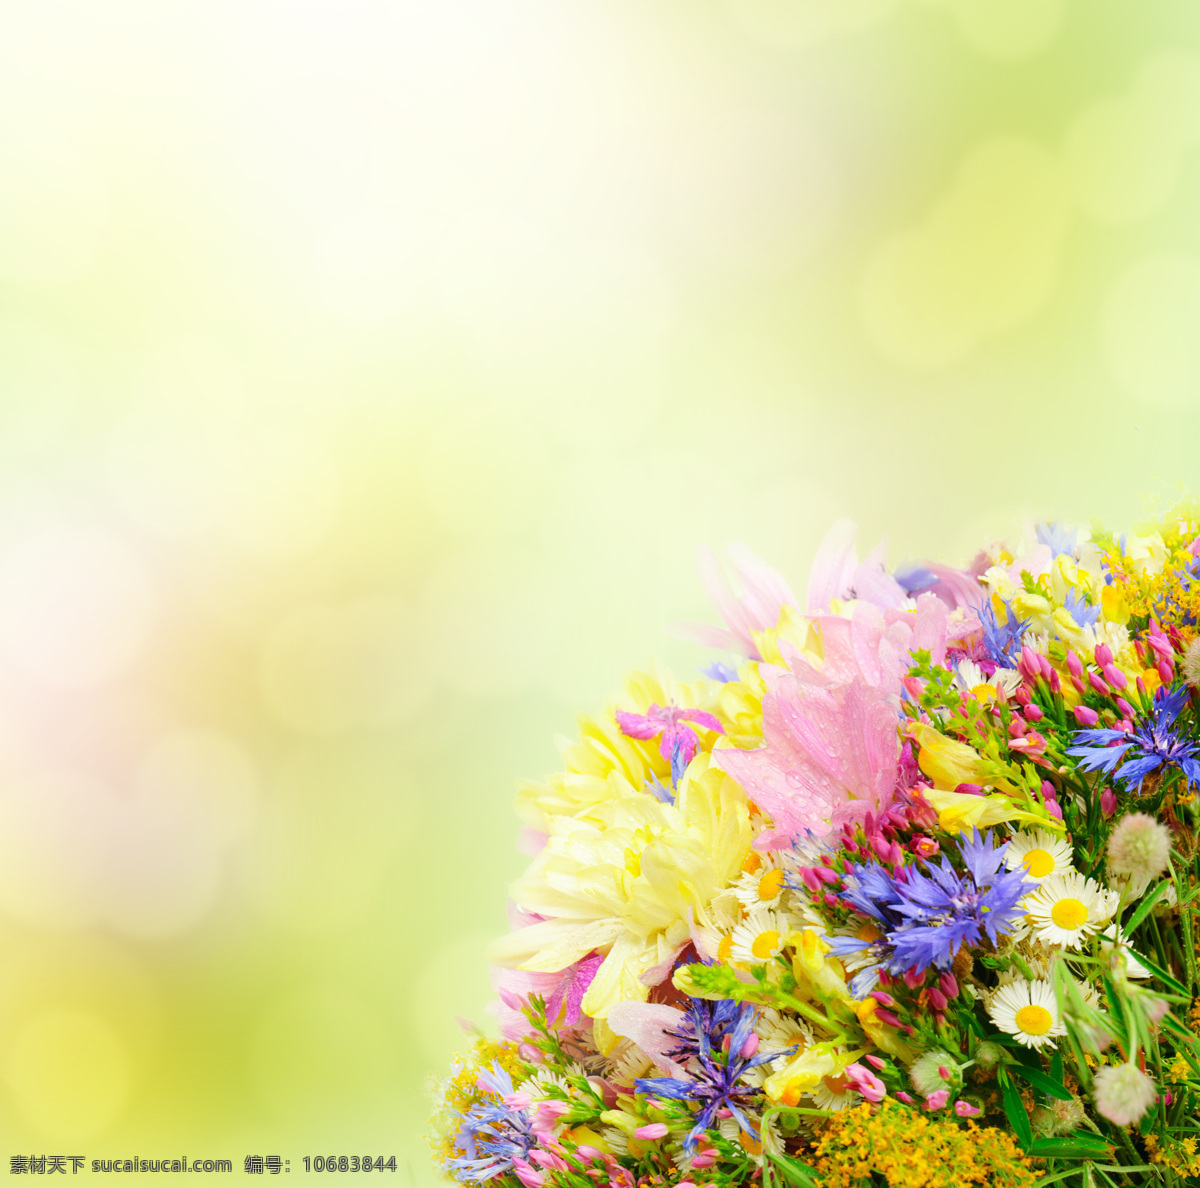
630, 884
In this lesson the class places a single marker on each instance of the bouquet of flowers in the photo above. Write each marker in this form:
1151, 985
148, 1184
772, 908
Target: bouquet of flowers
904, 892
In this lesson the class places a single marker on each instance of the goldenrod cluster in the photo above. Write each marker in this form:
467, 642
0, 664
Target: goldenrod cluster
1180, 1155
909, 1150
458, 1092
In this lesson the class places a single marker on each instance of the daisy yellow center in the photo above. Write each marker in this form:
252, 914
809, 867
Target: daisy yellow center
765, 943
770, 885
752, 863
725, 948
1069, 913
984, 692
1039, 863
1034, 1019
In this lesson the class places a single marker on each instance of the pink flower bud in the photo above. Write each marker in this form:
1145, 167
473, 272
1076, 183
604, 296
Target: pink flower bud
883, 998
1074, 665
924, 847
964, 1109
937, 1100
517, 1101
1115, 677
826, 875
1055, 682
655, 1130
587, 1153
809, 878
938, 999
1085, 715
1080, 687
1108, 802
874, 1061
1034, 712
1164, 672
1046, 667
749, 1047
887, 1018
1099, 684
1125, 708
1103, 654
702, 1161
904, 1097
1053, 809
948, 984
969, 789
914, 978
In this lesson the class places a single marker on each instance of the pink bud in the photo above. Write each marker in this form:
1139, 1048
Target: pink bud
964, 1109
1099, 684
530, 1054
943, 1072
1085, 715
969, 789
587, 1152
655, 1130
1080, 687
517, 1101
905, 1097
1055, 682
1053, 809
527, 1175
826, 875
1141, 687
1124, 707
1164, 672
937, 1100
749, 1047
1115, 677
702, 1161
1034, 713
724, 1112
874, 1061
887, 1018
1103, 654
1045, 665
938, 999
1074, 666
914, 978
948, 984
831, 900
883, 998
924, 847
1108, 802
1022, 696
810, 880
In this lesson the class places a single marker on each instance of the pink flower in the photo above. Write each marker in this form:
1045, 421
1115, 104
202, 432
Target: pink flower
937, 1100
964, 1109
654, 1130
678, 745
756, 607
866, 1082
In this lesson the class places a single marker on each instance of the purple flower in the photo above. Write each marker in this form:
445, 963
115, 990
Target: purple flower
714, 1066
1156, 741
492, 1134
925, 918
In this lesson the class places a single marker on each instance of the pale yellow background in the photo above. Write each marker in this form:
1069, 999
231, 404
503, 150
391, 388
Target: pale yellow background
370, 371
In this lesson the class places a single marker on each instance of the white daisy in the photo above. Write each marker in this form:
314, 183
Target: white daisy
1121, 955
972, 680
759, 937
1067, 908
1041, 852
1027, 1011
834, 1093
762, 887
780, 1033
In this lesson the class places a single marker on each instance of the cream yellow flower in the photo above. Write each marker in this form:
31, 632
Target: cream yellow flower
630, 885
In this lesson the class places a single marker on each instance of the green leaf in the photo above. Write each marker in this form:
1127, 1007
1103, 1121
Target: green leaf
1162, 976
1040, 1081
1014, 1110
1073, 1146
1144, 908
794, 1172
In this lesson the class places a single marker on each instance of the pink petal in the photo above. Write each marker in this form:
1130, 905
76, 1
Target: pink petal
648, 1024
637, 725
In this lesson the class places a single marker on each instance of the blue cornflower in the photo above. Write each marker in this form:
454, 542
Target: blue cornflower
913, 579
1156, 741
1058, 537
492, 1135
718, 671
1002, 641
1082, 611
925, 918
714, 1072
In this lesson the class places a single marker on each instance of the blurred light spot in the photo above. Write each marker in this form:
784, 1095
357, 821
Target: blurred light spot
205, 777
70, 1075
982, 263
40, 382
200, 456
1124, 155
451, 984
799, 22
319, 1050
76, 604
1149, 336
1011, 30
52, 209
369, 266
334, 668
326, 841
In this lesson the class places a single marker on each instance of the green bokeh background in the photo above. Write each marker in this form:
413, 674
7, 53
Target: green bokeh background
370, 371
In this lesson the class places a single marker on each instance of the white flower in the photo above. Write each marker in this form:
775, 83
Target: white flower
1027, 1011
760, 937
1067, 908
972, 680
1041, 852
763, 887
